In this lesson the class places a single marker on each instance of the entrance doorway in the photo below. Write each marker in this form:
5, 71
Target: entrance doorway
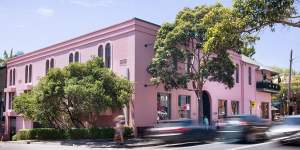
206, 106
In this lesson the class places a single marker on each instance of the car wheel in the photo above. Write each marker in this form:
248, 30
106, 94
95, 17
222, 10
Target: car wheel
251, 138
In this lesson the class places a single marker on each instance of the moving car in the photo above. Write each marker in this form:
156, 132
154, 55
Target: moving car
291, 140
182, 130
246, 128
289, 128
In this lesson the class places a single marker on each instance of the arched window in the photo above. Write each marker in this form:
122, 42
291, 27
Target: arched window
47, 66
14, 77
52, 63
237, 73
76, 56
100, 51
26, 74
30, 73
249, 76
10, 77
71, 58
107, 55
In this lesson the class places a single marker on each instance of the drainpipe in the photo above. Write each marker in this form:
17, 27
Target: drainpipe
242, 88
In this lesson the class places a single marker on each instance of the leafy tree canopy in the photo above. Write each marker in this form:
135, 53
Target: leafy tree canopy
67, 97
195, 47
7, 56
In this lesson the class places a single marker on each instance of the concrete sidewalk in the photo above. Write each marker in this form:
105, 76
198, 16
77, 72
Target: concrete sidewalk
108, 143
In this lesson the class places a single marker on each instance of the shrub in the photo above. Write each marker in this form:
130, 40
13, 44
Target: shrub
95, 133
14, 137
40, 134
78, 133
128, 132
48, 133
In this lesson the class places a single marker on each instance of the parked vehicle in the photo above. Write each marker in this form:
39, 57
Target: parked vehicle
181, 130
289, 128
246, 128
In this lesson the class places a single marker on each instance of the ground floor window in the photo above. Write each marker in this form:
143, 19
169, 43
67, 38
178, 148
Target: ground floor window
265, 110
222, 108
184, 106
235, 107
163, 106
11, 96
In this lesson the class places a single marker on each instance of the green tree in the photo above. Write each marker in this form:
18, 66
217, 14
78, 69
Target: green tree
67, 97
7, 56
195, 48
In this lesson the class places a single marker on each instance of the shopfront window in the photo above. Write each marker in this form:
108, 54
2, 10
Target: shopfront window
163, 106
184, 106
222, 108
235, 107
265, 110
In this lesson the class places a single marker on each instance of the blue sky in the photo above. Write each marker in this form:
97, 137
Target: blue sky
33, 24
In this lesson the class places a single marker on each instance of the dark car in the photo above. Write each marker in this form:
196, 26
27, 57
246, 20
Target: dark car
247, 128
182, 130
289, 128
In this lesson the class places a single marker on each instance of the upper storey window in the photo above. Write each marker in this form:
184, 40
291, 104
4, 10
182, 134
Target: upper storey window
250, 75
12, 77
100, 51
76, 57
52, 63
49, 64
28, 73
237, 73
108, 55
71, 58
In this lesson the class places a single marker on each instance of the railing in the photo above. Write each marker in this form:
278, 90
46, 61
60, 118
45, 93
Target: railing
267, 87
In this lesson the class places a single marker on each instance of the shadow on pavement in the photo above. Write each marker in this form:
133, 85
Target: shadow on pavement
186, 144
131, 143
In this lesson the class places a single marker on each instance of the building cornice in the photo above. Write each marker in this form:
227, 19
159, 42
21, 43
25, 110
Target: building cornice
105, 33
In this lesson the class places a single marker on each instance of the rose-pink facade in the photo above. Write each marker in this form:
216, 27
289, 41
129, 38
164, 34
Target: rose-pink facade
131, 43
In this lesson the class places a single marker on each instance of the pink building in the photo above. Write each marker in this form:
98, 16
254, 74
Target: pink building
127, 48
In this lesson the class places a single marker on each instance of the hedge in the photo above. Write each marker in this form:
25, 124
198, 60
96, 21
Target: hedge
77, 133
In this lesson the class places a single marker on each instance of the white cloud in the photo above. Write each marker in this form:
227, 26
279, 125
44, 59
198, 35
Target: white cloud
45, 12
91, 3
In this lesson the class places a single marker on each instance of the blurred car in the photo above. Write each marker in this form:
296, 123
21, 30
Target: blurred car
293, 139
290, 126
246, 128
182, 130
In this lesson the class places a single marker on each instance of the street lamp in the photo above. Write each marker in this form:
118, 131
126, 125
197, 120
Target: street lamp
289, 83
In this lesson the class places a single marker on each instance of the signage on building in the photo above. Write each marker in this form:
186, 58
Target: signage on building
253, 104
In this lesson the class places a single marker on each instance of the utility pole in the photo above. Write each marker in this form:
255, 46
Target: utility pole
289, 84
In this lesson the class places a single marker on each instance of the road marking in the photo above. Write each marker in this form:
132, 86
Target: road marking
254, 145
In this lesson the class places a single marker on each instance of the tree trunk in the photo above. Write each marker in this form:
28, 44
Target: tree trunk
200, 105
198, 91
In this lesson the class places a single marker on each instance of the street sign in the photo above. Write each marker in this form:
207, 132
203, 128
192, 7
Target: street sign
253, 104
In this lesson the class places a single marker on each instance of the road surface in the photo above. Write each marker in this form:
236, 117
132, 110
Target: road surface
267, 145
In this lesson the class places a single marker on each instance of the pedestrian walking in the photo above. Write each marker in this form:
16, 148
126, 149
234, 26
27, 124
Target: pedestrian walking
119, 129
206, 123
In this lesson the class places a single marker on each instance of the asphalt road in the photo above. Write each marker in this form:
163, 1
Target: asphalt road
268, 145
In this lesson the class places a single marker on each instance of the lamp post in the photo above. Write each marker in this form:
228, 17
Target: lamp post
289, 83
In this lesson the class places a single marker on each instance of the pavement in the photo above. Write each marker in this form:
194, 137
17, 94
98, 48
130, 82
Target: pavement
130, 143
141, 144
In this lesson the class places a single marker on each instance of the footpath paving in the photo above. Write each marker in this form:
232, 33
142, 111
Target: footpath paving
130, 143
